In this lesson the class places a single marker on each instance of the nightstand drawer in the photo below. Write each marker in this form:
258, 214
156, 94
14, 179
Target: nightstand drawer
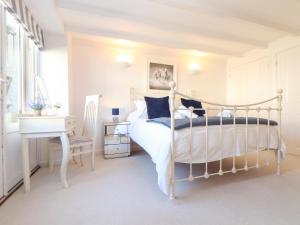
110, 150
112, 140
116, 140
125, 140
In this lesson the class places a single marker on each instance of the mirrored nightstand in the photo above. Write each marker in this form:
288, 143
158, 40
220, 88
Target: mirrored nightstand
116, 139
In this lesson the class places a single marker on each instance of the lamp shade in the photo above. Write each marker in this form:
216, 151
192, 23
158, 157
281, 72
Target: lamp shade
124, 60
195, 68
115, 111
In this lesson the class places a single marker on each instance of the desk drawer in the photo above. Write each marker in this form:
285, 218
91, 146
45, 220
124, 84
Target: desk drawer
44, 124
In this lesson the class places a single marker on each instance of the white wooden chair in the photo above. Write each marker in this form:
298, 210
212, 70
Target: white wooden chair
87, 138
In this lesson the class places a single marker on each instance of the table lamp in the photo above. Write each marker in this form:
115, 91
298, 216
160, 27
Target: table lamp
115, 114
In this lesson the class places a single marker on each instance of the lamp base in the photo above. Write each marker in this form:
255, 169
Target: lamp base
116, 119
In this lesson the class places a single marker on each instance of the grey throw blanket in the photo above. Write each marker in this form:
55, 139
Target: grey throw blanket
212, 120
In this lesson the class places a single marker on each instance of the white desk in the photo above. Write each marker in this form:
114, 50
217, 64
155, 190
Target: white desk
46, 126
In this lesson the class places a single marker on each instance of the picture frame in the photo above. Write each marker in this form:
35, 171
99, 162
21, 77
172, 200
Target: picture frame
159, 74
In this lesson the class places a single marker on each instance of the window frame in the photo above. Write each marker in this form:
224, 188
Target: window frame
11, 127
23, 72
26, 76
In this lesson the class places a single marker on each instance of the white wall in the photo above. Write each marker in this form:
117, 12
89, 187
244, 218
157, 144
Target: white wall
94, 70
260, 73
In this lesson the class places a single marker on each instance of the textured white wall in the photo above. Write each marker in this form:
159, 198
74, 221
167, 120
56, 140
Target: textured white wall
94, 70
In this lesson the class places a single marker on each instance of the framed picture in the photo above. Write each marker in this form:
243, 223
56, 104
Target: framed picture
160, 74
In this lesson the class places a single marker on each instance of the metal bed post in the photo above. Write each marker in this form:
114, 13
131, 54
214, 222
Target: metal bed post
257, 137
206, 175
220, 141
191, 178
234, 141
268, 138
246, 140
173, 152
279, 129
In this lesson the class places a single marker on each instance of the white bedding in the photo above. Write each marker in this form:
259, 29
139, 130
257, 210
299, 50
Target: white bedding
156, 138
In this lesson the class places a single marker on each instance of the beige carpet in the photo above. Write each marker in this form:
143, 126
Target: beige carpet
125, 191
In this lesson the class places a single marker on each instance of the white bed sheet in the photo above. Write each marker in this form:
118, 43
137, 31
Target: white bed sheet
156, 140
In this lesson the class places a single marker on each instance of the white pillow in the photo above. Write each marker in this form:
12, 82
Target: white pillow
132, 116
225, 113
186, 113
179, 115
141, 108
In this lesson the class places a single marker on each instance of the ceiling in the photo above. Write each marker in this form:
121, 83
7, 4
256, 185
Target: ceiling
225, 27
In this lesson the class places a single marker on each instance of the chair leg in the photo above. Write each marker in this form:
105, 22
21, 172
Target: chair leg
80, 156
73, 157
50, 158
93, 156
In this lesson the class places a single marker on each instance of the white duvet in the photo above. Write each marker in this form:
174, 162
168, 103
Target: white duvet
156, 138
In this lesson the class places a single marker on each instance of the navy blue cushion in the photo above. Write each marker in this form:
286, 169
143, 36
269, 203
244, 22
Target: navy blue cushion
196, 104
157, 107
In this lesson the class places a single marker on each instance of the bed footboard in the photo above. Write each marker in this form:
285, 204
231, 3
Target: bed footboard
258, 109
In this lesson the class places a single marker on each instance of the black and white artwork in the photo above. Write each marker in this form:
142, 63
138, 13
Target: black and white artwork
160, 75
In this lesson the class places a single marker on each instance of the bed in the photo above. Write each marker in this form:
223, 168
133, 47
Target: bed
203, 140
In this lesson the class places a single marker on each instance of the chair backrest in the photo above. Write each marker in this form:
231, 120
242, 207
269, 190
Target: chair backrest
90, 117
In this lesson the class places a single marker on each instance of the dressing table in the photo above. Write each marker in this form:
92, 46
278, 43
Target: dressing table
46, 127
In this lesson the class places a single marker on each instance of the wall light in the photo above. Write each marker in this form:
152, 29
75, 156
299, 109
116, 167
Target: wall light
195, 68
124, 60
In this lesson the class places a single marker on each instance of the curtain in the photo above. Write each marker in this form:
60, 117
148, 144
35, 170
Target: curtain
21, 12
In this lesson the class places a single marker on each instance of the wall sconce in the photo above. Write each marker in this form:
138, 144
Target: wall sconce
195, 68
124, 60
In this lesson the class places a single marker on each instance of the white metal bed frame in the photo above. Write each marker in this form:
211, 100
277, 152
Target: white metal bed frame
220, 107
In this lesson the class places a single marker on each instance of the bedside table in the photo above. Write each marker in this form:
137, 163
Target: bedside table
116, 140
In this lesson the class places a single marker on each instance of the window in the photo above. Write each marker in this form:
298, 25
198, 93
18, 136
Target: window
22, 58
31, 71
13, 69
